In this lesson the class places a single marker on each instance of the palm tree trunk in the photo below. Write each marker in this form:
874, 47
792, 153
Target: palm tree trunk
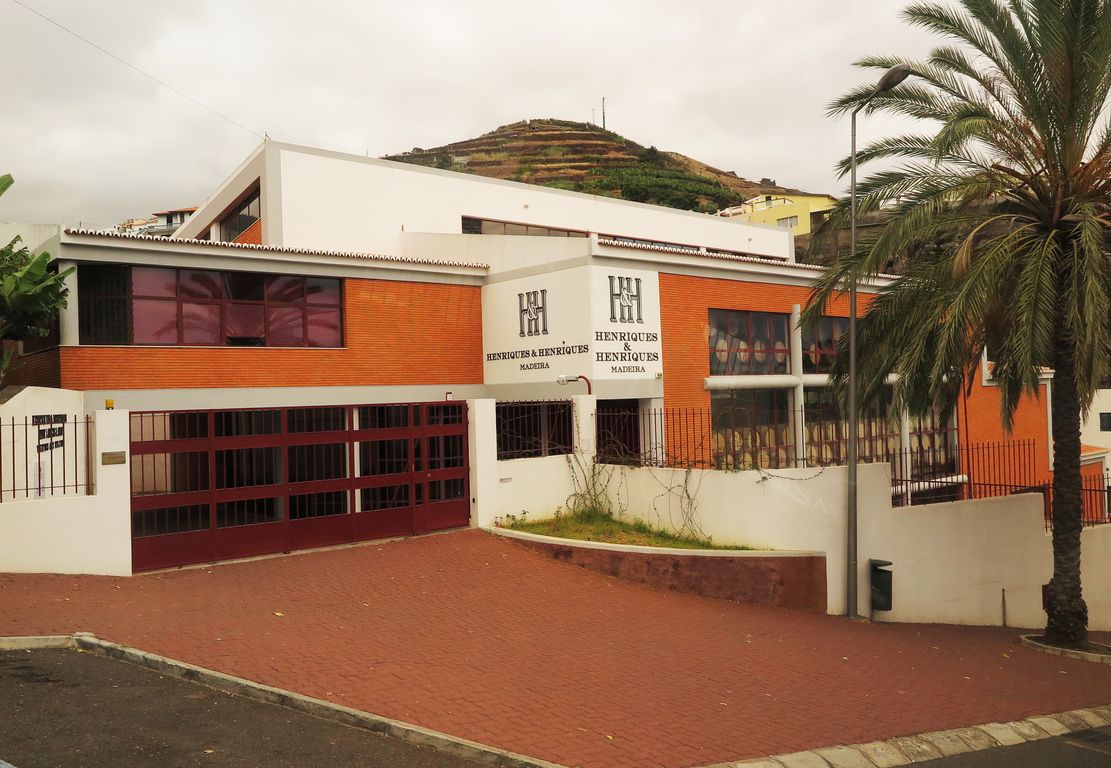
1067, 613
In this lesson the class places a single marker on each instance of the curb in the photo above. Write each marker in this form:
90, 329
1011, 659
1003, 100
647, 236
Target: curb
1031, 641
34, 642
904, 750
325, 710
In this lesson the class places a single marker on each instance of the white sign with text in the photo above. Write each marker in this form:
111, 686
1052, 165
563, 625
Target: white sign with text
595, 321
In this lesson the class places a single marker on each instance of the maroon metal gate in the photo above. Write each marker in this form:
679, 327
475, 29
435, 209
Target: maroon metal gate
216, 485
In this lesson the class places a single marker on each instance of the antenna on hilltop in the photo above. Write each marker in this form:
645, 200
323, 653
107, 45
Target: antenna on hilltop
603, 113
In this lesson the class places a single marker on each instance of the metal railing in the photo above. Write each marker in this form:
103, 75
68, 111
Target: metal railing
533, 428
928, 464
744, 438
958, 472
45, 455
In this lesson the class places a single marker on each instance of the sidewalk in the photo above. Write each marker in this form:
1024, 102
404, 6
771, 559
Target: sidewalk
472, 635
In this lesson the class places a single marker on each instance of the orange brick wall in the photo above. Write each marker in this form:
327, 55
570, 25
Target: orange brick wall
38, 369
980, 421
685, 302
251, 235
395, 333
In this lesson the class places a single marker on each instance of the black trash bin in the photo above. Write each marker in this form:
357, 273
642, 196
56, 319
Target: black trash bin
881, 584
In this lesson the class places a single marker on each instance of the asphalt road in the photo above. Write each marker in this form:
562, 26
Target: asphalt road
1083, 749
62, 708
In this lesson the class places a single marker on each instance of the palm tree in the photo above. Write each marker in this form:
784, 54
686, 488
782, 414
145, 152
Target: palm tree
1004, 203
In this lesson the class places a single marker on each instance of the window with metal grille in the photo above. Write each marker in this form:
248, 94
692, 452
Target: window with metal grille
103, 304
531, 429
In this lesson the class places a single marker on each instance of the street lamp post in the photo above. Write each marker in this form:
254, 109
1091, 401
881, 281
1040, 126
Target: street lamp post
890, 79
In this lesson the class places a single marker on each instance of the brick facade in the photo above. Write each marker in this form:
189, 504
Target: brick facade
394, 333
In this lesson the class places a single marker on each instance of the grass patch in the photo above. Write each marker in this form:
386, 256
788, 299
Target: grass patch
591, 525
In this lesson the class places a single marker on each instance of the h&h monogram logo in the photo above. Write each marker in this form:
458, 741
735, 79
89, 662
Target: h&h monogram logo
534, 312
624, 296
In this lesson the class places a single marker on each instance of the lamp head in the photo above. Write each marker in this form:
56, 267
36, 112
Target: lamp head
893, 77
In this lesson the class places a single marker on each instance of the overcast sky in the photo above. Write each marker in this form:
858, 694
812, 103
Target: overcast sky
741, 86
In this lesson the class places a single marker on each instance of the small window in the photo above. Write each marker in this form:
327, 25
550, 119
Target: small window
237, 222
1105, 422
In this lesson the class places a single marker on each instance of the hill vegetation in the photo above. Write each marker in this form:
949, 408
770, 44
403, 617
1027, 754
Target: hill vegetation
585, 158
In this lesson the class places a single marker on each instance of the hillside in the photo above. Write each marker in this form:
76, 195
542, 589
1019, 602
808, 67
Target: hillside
585, 158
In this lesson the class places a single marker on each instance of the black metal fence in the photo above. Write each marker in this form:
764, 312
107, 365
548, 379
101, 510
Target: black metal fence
528, 429
956, 471
45, 455
757, 438
928, 463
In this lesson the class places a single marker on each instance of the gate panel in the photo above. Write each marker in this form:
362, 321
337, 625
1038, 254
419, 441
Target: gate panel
214, 485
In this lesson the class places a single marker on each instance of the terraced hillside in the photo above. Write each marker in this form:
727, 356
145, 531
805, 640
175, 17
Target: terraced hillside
585, 158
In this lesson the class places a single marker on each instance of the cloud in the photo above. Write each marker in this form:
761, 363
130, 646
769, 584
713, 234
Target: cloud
742, 87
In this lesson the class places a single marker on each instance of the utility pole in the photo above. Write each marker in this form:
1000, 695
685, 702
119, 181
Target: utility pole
603, 113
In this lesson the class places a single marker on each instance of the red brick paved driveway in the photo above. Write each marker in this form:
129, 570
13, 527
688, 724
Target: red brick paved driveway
472, 635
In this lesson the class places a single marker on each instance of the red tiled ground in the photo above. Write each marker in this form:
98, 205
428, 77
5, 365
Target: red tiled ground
473, 635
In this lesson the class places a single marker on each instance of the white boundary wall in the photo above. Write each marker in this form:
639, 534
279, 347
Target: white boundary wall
955, 563
76, 534
536, 486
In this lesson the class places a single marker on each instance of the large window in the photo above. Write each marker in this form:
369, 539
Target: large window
827, 430
930, 453
748, 342
752, 428
191, 307
236, 223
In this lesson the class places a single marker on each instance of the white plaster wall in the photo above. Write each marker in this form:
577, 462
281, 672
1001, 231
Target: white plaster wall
504, 254
953, 561
1095, 575
346, 202
536, 487
277, 397
1089, 430
76, 534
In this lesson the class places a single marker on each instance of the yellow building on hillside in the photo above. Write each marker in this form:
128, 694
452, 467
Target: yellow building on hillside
801, 213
